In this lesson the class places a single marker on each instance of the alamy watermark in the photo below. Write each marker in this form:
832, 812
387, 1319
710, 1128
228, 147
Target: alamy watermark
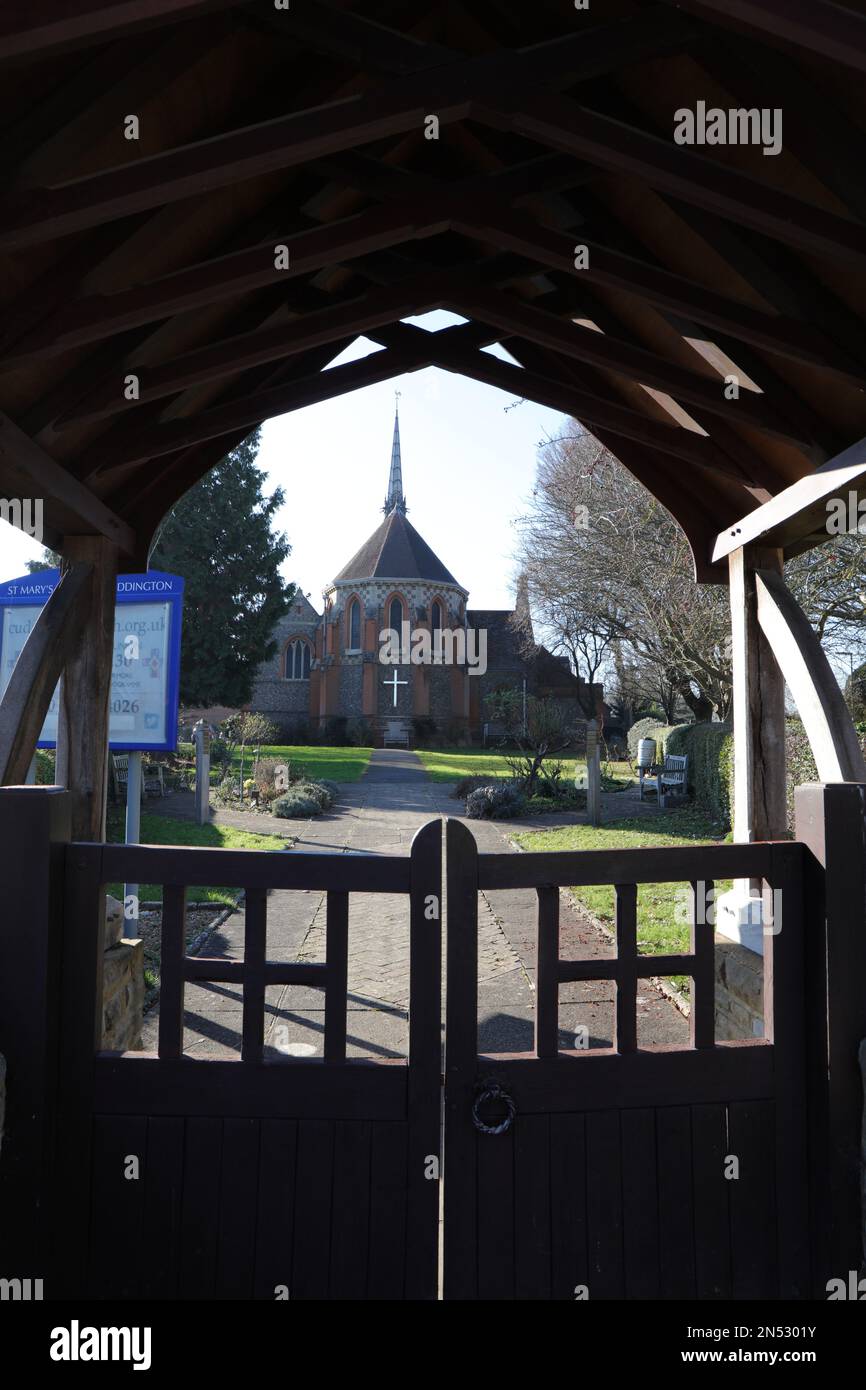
25, 514
764, 911
846, 517
714, 125
446, 646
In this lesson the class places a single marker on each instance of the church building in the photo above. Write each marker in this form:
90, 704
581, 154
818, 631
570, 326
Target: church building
338, 674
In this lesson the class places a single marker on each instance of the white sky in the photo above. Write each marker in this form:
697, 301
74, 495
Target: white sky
468, 465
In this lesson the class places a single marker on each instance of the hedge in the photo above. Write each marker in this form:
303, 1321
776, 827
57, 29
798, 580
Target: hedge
710, 751
644, 728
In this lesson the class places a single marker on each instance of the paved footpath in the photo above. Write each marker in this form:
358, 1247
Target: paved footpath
379, 815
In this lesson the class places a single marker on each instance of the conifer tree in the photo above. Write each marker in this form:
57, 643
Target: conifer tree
220, 538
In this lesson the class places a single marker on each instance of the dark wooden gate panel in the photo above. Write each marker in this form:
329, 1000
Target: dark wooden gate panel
256, 1175
612, 1176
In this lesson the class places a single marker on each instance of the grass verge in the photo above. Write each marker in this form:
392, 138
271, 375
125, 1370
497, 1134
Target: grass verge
335, 764
166, 830
661, 907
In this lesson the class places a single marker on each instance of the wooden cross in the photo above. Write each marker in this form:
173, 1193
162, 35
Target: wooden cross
394, 682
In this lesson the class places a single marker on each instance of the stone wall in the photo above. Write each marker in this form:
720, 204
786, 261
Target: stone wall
739, 975
122, 985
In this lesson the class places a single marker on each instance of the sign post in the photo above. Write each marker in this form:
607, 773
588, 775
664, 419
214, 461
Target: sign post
145, 676
201, 738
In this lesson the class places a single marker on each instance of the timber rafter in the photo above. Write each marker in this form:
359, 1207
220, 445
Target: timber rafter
162, 260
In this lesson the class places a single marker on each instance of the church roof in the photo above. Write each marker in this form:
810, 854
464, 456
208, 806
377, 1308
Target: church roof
396, 551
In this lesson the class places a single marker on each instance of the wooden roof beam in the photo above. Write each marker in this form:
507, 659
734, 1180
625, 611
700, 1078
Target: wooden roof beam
834, 31
127, 445
25, 469
58, 25
269, 343
492, 218
796, 519
448, 352
100, 316
561, 124
613, 354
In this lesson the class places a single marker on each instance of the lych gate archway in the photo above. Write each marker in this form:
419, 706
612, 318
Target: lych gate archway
210, 202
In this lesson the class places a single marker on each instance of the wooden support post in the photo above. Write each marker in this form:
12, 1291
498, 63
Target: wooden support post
831, 822
32, 684
34, 822
593, 772
82, 736
759, 707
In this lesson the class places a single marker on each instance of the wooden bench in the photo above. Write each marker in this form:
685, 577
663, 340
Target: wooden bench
151, 776
396, 733
670, 777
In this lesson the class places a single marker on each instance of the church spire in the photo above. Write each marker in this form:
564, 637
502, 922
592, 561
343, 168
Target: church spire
395, 496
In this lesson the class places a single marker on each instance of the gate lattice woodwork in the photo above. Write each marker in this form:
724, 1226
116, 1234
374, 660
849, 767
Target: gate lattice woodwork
254, 1173
612, 1176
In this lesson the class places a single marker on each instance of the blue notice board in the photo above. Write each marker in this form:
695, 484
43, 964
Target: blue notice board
146, 662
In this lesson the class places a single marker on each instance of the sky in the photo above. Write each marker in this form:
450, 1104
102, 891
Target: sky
468, 468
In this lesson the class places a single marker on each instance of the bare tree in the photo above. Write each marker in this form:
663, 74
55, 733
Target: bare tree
610, 578
606, 564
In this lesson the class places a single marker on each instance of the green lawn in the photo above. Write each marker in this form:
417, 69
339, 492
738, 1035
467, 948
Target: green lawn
452, 764
662, 921
165, 830
335, 764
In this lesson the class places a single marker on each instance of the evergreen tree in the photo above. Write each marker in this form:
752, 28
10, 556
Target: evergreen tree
219, 537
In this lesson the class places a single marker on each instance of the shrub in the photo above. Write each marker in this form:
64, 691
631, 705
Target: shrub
644, 728
266, 787
359, 733
466, 785
335, 735
799, 763
710, 749
424, 728
315, 791
502, 801
294, 804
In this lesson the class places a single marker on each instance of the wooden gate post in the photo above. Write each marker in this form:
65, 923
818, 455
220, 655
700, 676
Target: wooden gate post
34, 825
759, 811
831, 822
759, 707
82, 734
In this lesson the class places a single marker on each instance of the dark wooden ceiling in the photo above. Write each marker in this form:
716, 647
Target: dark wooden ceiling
305, 127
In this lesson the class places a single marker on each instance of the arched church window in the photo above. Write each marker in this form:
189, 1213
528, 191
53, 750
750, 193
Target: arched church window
436, 616
298, 660
396, 616
354, 625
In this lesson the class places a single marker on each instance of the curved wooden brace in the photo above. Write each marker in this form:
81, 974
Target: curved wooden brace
27, 696
820, 702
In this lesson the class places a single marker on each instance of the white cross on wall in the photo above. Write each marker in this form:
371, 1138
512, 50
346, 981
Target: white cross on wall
394, 682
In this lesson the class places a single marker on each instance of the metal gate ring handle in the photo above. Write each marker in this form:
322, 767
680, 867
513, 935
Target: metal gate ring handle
491, 1090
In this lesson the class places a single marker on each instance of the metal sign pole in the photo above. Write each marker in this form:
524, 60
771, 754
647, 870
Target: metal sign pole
133, 832
202, 739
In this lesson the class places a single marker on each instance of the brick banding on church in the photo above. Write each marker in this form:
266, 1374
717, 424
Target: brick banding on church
328, 665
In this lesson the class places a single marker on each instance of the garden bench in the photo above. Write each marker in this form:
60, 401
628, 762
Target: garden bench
670, 776
151, 775
396, 733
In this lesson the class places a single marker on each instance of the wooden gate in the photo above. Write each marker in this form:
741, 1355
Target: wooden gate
255, 1178
613, 1180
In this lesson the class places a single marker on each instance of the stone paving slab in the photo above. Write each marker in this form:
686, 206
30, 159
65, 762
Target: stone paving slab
379, 815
